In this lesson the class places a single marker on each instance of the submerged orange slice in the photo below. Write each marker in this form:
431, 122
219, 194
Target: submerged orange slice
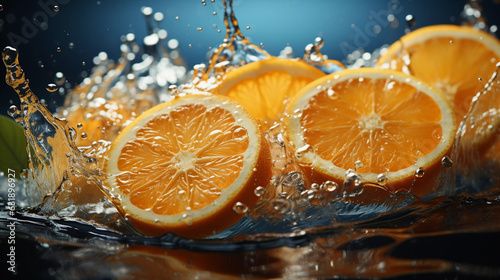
458, 60
385, 125
265, 87
188, 166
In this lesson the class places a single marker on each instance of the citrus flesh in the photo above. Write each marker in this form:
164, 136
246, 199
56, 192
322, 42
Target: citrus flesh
265, 87
188, 166
381, 123
458, 60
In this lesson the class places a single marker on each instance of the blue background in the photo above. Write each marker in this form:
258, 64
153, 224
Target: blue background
95, 26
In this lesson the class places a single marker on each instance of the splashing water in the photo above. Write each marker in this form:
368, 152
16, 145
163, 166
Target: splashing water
296, 229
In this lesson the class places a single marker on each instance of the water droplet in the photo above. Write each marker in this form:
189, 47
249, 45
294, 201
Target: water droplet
240, 134
446, 161
410, 21
332, 94
358, 164
187, 219
60, 79
84, 135
259, 191
382, 179
52, 87
419, 173
240, 208
172, 90
480, 79
56, 8
79, 125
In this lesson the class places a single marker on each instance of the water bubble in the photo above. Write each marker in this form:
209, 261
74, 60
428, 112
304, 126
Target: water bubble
1, 8
58, 49
262, 45
79, 125
190, 45
259, 191
56, 8
199, 29
51, 87
248, 27
71, 45
203, 2
214, 13
84, 135
446, 161
240, 208
187, 219
419, 173
176, 18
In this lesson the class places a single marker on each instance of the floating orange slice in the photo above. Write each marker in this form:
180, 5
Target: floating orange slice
189, 166
387, 126
458, 60
265, 87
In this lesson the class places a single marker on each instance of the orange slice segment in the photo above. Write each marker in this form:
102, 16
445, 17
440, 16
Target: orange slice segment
265, 87
381, 123
188, 166
458, 60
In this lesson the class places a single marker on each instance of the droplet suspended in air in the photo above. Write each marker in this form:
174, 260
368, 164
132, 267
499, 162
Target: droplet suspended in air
52, 87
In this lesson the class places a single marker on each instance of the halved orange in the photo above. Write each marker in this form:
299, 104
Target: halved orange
188, 166
265, 87
385, 125
458, 60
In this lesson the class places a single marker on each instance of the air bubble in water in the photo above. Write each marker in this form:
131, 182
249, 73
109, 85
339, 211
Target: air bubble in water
240, 134
240, 208
199, 29
58, 49
446, 161
419, 173
281, 206
214, 13
71, 45
56, 8
172, 90
248, 27
177, 18
358, 164
79, 125
330, 186
52, 87
84, 135
259, 191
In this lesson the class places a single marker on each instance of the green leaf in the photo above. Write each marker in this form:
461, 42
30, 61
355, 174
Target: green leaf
13, 153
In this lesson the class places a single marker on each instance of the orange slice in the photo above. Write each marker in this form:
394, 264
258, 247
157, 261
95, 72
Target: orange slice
189, 166
385, 125
458, 60
265, 87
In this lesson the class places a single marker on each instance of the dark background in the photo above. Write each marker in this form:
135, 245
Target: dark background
93, 26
